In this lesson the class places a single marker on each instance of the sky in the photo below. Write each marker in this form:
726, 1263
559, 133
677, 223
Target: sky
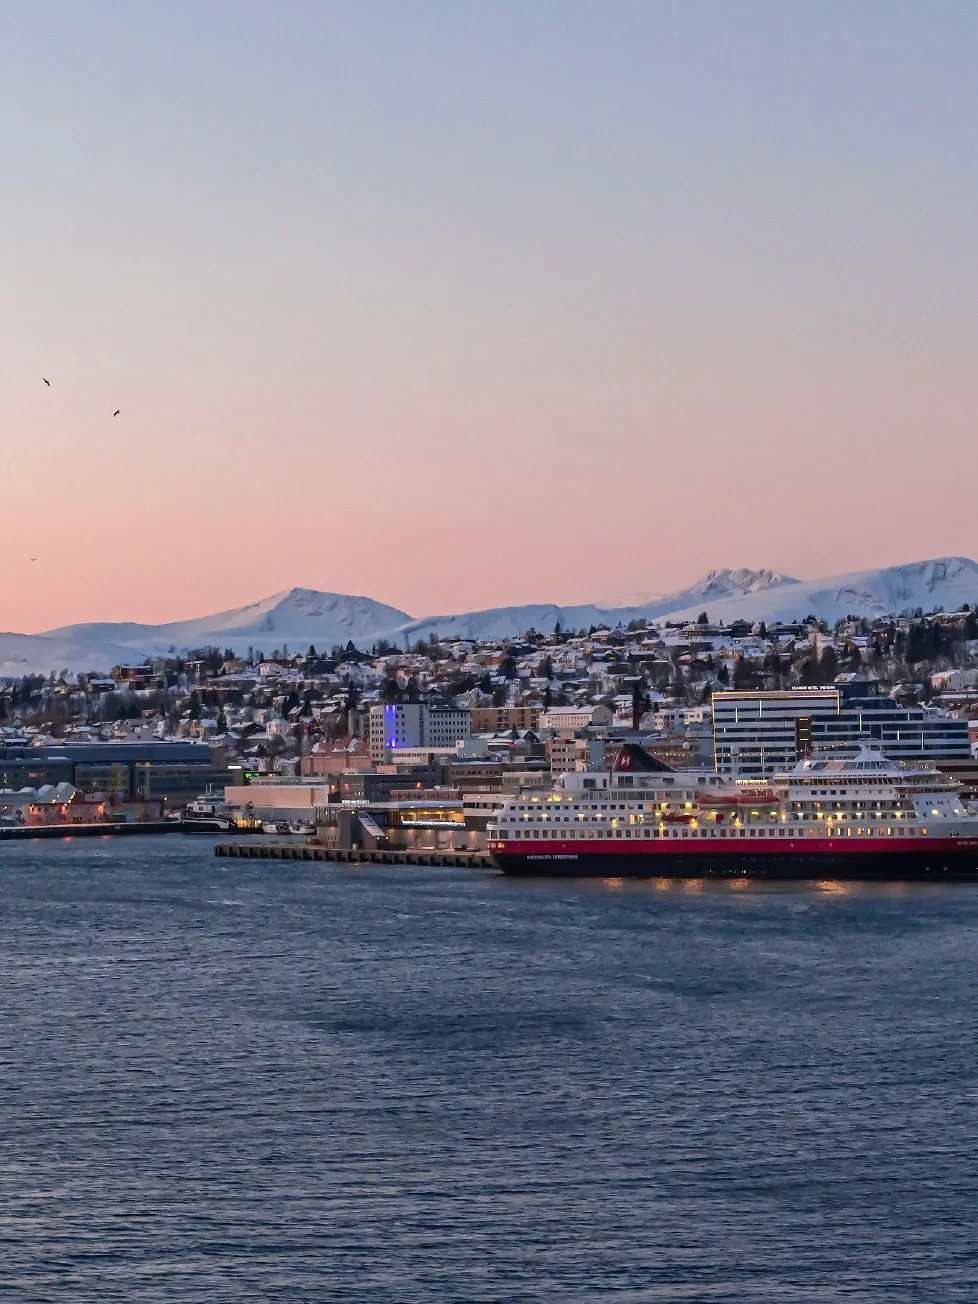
465, 305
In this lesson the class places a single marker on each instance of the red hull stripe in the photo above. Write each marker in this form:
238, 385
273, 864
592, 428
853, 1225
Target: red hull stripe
672, 847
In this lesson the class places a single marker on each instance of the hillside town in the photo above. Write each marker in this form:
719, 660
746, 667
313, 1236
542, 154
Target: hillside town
303, 734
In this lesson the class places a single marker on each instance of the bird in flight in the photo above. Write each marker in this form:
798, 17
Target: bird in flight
46, 381
33, 559
116, 412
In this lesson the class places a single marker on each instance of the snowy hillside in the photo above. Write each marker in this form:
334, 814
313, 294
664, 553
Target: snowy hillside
39, 654
297, 618
300, 617
944, 582
507, 622
714, 585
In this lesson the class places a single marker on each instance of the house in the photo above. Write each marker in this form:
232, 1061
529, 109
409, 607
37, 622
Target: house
336, 757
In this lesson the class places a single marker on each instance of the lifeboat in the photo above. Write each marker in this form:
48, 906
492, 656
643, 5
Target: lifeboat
739, 800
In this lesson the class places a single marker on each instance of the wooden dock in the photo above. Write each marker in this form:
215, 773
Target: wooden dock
260, 849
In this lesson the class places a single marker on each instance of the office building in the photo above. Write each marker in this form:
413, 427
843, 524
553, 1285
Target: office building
758, 733
415, 725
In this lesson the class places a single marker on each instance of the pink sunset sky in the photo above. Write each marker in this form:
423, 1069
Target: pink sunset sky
468, 305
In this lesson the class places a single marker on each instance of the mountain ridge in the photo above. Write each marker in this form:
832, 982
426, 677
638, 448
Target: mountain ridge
298, 617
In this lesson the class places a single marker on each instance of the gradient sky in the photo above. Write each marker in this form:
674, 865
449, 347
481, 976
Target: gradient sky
468, 304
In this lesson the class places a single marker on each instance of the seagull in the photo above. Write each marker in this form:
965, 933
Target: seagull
116, 412
33, 559
46, 381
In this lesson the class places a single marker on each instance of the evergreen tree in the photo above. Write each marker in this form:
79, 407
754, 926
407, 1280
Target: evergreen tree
828, 665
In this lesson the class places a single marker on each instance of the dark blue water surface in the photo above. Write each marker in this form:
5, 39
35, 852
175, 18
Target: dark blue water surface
245, 1080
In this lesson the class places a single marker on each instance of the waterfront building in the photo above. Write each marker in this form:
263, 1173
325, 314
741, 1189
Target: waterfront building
134, 770
757, 733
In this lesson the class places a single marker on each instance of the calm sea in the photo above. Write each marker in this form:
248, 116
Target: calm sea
237, 1081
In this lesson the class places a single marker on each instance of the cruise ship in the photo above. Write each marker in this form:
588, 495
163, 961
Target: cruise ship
860, 816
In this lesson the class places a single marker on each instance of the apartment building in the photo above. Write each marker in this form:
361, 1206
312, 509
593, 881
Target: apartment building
500, 719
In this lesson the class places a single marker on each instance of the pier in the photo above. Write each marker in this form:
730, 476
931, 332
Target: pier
29, 832
261, 850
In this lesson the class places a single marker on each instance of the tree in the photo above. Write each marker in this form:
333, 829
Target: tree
723, 674
809, 672
352, 699
828, 664
640, 703
311, 654
222, 722
702, 618
743, 676
195, 705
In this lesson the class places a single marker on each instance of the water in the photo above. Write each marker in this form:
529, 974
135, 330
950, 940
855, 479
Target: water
243, 1080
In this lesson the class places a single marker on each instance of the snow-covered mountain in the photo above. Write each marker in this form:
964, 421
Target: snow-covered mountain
300, 617
945, 582
507, 622
715, 584
297, 619
39, 654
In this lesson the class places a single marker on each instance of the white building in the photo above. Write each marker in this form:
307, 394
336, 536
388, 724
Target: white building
757, 733
566, 719
415, 725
